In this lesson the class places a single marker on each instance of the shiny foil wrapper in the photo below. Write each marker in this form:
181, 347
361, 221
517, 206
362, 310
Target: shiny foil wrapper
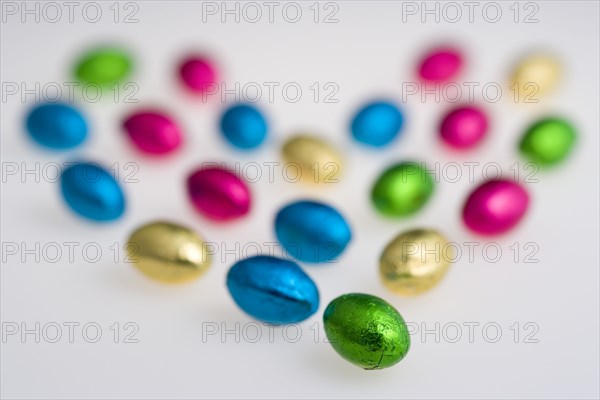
168, 252
317, 161
415, 261
366, 330
534, 77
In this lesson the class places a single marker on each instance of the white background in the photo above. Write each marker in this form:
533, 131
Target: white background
368, 53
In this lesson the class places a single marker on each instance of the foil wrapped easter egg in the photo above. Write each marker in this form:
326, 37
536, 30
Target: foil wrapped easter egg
366, 330
402, 189
440, 65
317, 161
377, 123
218, 194
244, 126
198, 74
168, 252
415, 261
548, 141
535, 76
464, 127
311, 231
57, 126
92, 192
153, 132
495, 207
273, 290
103, 67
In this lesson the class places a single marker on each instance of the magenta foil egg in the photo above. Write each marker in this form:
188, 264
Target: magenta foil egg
218, 193
198, 74
495, 207
440, 65
464, 127
153, 132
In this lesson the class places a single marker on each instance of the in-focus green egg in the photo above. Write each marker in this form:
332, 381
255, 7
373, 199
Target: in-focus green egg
366, 330
103, 67
548, 141
402, 189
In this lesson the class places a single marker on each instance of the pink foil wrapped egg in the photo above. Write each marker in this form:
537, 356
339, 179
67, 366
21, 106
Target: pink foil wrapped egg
153, 132
464, 127
440, 65
218, 193
198, 74
495, 207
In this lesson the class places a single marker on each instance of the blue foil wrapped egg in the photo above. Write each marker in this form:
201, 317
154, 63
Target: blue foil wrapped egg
244, 126
377, 123
273, 290
311, 231
92, 192
57, 126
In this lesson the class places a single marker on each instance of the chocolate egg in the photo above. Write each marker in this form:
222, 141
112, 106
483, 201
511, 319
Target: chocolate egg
153, 132
218, 194
415, 261
317, 161
535, 76
92, 192
57, 125
272, 289
548, 141
366, 330
402, 189
104, 66
495, 207
311, 231
168, 252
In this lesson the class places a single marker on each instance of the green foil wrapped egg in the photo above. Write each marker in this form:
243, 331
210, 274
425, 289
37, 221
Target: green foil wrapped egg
548, 141
402, 189
103, 67
366, 330
168, 252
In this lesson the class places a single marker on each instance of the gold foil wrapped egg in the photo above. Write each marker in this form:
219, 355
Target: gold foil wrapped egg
415, 261
316, 160
168, 252
535, 76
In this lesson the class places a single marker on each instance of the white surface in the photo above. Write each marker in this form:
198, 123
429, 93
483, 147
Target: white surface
368, 53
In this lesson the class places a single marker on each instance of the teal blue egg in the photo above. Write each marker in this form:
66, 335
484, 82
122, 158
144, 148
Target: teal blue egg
57, 126
272, 289
92, 192
311, 231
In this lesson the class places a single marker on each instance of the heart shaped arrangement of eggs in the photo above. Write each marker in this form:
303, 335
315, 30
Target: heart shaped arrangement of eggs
364, 329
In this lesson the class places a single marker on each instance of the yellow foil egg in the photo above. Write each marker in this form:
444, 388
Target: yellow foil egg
415, 261
534, 77
168, 252
315, 160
